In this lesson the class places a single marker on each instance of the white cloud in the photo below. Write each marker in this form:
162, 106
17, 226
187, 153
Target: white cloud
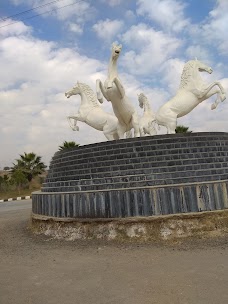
75, 28
35, 73
34, 76
169, 14
108, 29
216, 28
199, 52
210, 35
171, 72
9, 27
33, 106
150, 49
80, 10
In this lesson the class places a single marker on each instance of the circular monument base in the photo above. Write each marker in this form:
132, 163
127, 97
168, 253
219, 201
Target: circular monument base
154, 228
147, 176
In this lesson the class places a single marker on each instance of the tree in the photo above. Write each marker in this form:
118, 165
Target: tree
182, 129
19, 179
68, 144
30, 165
4, 182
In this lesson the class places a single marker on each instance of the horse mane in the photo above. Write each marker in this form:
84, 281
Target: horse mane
89, 94
143, 97
187, 73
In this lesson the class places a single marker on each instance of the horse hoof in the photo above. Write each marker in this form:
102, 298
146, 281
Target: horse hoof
223, 97
75, 128
213, 106
100, 98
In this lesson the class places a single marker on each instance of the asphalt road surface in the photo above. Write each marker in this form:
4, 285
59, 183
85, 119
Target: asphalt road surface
41, 270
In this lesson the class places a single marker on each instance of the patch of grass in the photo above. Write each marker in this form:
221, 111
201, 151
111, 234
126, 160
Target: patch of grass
11, 193
15, 193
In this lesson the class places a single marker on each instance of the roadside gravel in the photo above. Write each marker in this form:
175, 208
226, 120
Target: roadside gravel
38, 269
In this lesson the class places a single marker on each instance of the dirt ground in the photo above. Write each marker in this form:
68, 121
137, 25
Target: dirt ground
38, 270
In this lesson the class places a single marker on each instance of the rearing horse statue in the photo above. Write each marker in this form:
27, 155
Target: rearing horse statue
91, 113
113, 91
146, 122
192, 91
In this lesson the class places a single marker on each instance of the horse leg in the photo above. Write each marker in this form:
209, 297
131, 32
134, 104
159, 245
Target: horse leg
119, 87
171, 126
220, 98
108, 132
135, 124
167, 119
208, 92
73, 126
171, 129
207, 89
129, 134
115, 136
121, 129
141, 128
108, 136
211, 93
152, 130
110, 129
141, 131
100, 91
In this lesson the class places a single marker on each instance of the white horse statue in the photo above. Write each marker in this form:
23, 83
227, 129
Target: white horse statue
146, 122
91, 112
114, 91
192, 91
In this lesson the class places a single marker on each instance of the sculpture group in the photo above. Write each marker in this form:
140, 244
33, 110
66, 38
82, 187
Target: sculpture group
192, 91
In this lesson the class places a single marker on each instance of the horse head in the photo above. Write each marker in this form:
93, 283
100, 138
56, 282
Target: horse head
202, 67
190, 73
116, 50
74, 91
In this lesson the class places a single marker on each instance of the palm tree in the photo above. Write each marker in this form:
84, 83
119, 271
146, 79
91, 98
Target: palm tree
68, 144
182, 129
30, 165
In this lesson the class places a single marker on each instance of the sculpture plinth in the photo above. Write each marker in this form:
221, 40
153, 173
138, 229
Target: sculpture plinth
157, 175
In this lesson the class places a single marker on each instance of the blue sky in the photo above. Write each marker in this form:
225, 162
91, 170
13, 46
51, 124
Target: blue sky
42, 57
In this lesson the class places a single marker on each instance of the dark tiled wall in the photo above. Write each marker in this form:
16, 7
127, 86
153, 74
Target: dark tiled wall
138, 176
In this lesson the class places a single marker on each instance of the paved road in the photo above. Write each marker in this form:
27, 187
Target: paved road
15, 205
38, 270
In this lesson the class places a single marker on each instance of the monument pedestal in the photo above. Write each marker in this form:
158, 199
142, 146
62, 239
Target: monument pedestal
151, 188
136, 177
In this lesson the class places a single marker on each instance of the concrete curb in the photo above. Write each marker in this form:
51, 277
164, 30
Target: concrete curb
208, 224
19, 198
